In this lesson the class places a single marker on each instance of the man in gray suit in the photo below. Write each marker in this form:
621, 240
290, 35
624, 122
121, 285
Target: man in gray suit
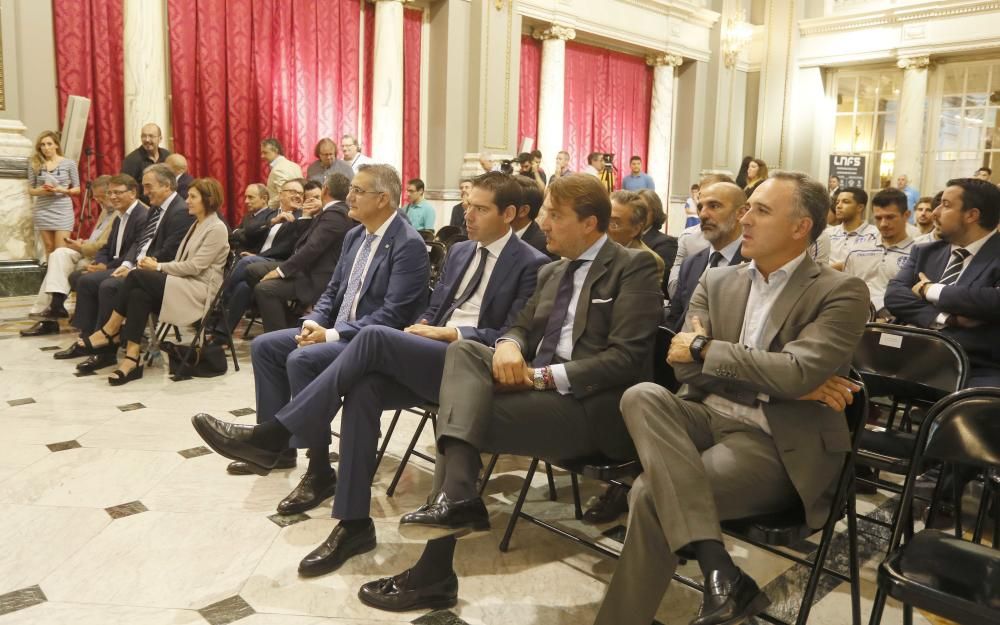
551, 389
759, 425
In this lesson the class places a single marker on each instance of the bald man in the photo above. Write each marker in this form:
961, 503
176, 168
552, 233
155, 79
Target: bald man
149, 153
179, 165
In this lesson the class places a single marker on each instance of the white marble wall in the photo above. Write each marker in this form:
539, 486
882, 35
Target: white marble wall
17, 232
387, 85
661, 121
146, 78
551, 91
910, 129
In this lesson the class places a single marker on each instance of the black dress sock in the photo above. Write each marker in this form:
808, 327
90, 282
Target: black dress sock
58, 302
270, 435
319, 461
712, 556
435, 562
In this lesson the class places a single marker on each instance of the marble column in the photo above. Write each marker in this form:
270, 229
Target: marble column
910, 127
661, 121
387, 84
551, 91
147, 78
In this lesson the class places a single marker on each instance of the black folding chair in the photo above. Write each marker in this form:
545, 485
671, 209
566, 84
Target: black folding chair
427, 412
943, 572
446, 232
428, 235
436, 251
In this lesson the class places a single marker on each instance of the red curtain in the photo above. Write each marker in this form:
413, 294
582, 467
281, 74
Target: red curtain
90, 63
242, 70
369, 61
606, 106
531, 70
412, 22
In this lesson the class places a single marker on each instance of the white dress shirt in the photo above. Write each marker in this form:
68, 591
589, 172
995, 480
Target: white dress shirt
359, 160
271, 235
159, 221
520, 233
727, 252
764, 292
467, 315
934, 291
332, 335
121, 227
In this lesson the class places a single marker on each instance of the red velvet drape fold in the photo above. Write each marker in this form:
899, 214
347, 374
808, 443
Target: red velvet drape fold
369, 70
531, 69
412, 22
242, 70
607, 102
90, 63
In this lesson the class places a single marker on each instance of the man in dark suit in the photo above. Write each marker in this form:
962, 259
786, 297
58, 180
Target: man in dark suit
381, 279
308, 270
953, 285
524, 224
485, 283
551, 389
179, 165
249, 236
758, 426
720, 208
654, 237
458, 210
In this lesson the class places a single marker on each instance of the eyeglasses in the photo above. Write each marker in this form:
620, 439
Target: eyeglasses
112, 193
359, 191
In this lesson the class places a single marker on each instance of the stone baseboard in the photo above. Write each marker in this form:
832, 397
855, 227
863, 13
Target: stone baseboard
20, 278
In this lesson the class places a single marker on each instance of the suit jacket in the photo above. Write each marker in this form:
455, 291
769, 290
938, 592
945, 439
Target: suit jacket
89, 249
534, 237
317, 251
511, 284
975, 295
687, 281
282, 170
196, 275
616, 317
811, 333
252, 230
133, 229
664, 245
394, 290
183, 184
174, 224
288, 235
458, 217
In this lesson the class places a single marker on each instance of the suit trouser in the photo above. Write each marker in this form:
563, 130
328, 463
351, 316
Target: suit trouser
236, 292
282, 369
381, 368
96, 295
271, 295
699, 467
140, 295
528, 423
62, 262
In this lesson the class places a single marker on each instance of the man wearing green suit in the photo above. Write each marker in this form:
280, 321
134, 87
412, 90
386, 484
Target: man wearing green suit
758, 426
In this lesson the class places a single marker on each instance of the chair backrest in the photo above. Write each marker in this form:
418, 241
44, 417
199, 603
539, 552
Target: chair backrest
910, 364
437, 252
445, 232
458, 237
428, 235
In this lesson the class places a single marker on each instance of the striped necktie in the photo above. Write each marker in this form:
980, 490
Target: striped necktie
149, 229
954, 268
354, 282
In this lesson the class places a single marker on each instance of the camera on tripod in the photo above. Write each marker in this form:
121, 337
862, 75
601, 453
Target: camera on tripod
507, 166
609, 161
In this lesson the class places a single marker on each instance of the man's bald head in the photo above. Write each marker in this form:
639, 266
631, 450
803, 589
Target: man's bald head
720, 207
178, 163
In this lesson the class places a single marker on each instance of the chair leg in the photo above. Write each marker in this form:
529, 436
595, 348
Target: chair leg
385, 443
487, 472
854, 562
907, 614
406, 456
552, 482
246, 333
577, 508
505, 542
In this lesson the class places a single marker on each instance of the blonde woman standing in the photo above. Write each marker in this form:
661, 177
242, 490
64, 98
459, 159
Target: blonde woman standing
52, 180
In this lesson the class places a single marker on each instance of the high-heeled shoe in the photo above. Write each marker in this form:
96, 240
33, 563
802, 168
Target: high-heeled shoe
110, 346
119, 377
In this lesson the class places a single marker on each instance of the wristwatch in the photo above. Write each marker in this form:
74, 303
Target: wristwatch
538, 379
697, 346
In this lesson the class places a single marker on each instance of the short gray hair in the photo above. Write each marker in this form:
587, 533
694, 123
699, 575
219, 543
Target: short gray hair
634, 201
273, 144
262, 191
812, 200
164, 174
386, 180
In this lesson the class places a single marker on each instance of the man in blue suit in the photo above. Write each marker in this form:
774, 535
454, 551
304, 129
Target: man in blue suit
953, 285
380, 279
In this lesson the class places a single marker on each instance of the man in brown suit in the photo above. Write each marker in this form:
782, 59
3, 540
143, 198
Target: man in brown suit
550, 389
758, 426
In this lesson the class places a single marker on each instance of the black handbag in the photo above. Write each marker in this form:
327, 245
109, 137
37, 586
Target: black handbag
207, 360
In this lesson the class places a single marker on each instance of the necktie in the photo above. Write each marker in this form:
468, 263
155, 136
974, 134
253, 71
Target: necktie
149, 229
553, 329
715, 259
477, 277
954, 268
354, 282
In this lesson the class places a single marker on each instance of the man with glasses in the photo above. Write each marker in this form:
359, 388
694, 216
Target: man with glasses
149, 153
381, 279
352, 152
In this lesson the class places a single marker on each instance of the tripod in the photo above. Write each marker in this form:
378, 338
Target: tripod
608, 176
86, 208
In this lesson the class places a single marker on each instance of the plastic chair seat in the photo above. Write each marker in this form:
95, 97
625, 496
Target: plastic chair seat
601, 468
782, 529
886, 450
945, 575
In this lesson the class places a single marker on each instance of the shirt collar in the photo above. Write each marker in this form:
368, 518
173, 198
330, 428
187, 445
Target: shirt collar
385, 226
520, 233
167, 202
128, 211
591, 252
901, 245
780, 274
975, 246
860, 229
497, 246
730, 250
323, 210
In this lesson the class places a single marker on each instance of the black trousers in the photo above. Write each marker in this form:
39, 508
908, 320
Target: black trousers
140, 294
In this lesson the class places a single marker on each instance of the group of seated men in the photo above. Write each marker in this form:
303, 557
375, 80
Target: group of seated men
553, 360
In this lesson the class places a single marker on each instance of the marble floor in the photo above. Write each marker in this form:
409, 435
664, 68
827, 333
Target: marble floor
112, 511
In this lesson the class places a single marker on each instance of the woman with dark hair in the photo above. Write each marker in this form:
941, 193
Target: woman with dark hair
52, 180
180, 292
741, 175
756, 174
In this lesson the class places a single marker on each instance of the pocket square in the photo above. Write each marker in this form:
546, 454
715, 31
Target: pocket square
602, 301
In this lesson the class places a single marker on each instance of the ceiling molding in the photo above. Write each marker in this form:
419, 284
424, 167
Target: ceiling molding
925, 11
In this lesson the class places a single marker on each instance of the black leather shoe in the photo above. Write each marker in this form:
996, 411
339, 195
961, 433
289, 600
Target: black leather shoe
73, 351
609, 506
401, 594
444, 517
232, 440
341, 545
97, 361
311, 491
41, 328
287, 461
730, 601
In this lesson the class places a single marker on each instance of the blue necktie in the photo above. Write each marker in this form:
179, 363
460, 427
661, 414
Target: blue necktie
354, 283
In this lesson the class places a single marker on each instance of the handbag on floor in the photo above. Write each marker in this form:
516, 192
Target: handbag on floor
205, 360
